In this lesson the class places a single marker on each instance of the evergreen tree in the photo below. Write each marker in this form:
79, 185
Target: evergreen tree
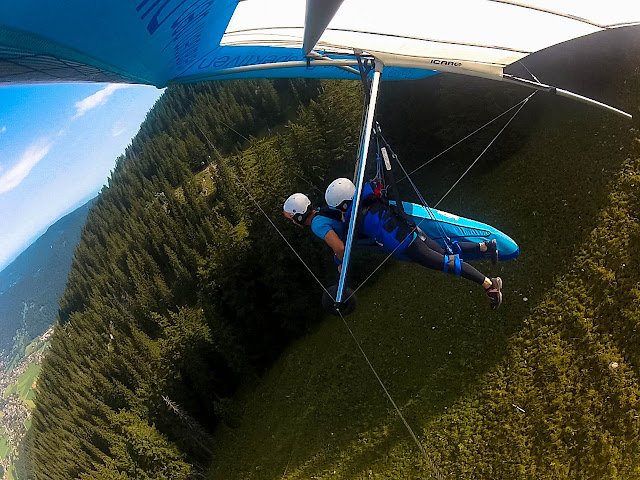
172, 299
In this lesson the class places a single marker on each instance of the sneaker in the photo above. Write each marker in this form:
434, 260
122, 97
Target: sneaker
492, 250
494, 292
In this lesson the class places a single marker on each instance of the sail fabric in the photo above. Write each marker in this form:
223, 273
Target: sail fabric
462, 36
158, 42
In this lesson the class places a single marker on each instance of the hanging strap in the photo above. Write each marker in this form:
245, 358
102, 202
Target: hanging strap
331, 213
455, 246
445, 238
385, 166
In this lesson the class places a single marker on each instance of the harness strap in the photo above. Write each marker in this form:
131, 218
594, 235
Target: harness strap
331, 213
457, 264
384, 157
456, 247
387, 152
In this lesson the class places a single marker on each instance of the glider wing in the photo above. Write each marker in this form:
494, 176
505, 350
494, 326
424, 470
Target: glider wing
159, 42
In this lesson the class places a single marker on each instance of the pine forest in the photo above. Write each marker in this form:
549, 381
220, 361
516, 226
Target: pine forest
191, 343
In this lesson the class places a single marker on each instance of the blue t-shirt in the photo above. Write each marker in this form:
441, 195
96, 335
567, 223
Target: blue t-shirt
321, 225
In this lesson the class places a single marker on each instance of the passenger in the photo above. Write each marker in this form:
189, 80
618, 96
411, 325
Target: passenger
385, 225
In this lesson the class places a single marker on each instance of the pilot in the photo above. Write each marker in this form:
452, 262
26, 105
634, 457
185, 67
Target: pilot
391, 230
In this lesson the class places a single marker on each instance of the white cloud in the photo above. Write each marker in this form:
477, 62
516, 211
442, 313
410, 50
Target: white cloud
29, 159
118, 129
97, 99
3, 129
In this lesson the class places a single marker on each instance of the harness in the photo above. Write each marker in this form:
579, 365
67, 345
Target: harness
400, 219
382, 221
331, 213
387, 223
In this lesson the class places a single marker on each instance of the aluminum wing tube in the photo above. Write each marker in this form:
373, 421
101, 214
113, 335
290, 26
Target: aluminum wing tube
362, 162
566, 94
318, 15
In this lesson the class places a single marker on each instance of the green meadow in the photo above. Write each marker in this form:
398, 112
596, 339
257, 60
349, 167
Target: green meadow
546, 387
4, 446
24, 385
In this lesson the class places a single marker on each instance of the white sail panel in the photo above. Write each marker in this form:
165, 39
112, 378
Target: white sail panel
173, 41
603, 14
482, 36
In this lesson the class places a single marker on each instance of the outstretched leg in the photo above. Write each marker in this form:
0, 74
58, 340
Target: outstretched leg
488, 248
424, 253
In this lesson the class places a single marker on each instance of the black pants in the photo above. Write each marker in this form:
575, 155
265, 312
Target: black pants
430, 254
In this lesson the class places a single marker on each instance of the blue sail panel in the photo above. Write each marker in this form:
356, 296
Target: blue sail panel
154, 42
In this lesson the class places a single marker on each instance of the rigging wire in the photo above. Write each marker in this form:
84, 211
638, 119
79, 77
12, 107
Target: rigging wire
231, 128
530, 72
436, 472
486, 148
267, 217
429, 210
432, 216
521, 102
283, 237
308, 182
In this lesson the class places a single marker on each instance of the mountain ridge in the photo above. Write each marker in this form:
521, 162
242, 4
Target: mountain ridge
32, 284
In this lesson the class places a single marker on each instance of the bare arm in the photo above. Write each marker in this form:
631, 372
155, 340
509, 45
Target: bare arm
333, 240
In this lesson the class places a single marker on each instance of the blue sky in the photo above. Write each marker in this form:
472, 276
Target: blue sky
58, 145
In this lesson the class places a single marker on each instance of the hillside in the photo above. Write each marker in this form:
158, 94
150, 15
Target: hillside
31, 286
17, 394
529, 391
544, 388
190, 337
157, 325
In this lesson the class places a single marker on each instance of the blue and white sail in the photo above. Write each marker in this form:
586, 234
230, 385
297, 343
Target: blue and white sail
159, 42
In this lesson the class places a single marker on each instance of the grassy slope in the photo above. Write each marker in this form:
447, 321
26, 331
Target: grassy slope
456, 368
36, 346
4, 446
23, 386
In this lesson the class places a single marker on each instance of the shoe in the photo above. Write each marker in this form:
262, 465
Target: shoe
494, 292
492, 250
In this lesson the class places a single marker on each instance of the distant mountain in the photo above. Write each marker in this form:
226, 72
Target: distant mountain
31, 286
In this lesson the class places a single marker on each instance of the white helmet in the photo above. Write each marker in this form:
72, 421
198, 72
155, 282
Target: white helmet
339, 193
298, 206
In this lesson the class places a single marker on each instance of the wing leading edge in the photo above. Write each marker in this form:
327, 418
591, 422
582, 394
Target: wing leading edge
159, 42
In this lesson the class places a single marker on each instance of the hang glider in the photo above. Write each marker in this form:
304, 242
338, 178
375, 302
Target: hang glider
159, 42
